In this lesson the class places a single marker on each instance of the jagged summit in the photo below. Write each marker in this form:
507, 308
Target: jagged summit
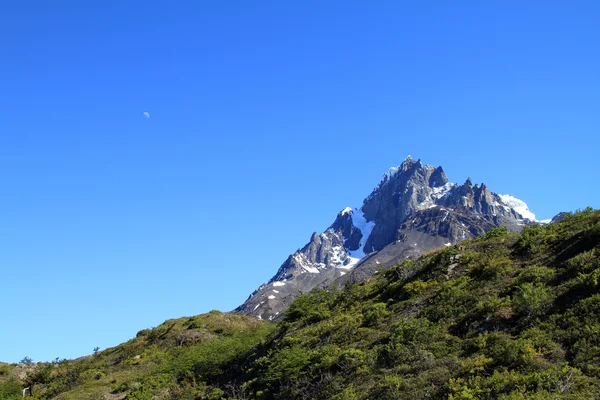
406, 165
413, 209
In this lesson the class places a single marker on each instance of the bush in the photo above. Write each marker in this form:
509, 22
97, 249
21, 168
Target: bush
42, 373
494, 233
26, 361
531, 299
10, 390
375, 314
310, 308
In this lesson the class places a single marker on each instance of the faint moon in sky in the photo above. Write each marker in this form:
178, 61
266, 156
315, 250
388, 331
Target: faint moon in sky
147, 114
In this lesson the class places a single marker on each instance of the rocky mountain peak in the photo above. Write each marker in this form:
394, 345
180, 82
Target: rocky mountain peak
414, 208
438, 178
315, 238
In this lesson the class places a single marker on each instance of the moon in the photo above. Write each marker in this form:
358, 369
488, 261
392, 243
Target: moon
147, 114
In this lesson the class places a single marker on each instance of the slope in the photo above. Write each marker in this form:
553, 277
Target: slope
506, 316
182, 358
503, 316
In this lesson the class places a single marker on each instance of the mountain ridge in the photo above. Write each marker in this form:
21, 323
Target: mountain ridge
413, 208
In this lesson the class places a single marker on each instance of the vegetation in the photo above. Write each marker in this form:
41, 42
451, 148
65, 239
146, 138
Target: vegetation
180, 359
505, 316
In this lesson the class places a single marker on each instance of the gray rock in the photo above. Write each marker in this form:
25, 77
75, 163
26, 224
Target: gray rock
413, 209
559, 217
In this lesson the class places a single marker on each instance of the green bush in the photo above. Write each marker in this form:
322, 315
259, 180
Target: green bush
494, 233
531, 299
375, 314
10, 390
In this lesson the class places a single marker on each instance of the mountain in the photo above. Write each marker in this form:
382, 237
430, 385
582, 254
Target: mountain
502, 316
413, 209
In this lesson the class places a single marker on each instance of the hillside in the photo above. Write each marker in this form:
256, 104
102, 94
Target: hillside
507, 316
503, 316
163, 362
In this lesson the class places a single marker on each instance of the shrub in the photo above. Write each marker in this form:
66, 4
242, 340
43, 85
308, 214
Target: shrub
494, 233
531, 299
10, 390
375, 314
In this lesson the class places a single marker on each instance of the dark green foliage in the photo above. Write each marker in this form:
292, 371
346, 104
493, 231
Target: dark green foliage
494, 233
310, 308
26, 361
42, 373
375, 314
10, 390
192, 358
505, 316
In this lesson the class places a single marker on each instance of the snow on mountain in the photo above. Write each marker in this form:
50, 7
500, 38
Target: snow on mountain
436, 194
518, 205
413, 209
393, 171
365, 227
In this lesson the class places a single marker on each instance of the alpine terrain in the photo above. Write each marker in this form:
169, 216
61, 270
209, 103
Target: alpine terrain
508, 316
413, 209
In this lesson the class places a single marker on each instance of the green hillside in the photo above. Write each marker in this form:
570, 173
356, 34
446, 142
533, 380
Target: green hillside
505, 316
165, 362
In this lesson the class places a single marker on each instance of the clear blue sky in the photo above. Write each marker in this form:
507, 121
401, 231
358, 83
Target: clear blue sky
266, 119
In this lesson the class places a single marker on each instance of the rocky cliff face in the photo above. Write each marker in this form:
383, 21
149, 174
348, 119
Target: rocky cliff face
413, 209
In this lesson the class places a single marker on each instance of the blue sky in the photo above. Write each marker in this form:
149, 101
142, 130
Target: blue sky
266, 119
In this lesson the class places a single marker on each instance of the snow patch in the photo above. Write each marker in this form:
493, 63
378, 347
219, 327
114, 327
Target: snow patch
310, 269
518, 205
441, 191
275, 291
365, 227
271, 297
303, 262
448, 244
436, 194
338, 255
426, 204
388, 175
545, 221
347, 259
278, 283
351, 264
346, 210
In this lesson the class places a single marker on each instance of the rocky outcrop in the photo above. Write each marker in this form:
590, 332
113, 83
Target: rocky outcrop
413, 209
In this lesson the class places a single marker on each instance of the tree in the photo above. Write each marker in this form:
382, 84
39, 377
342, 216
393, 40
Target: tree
26, 361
